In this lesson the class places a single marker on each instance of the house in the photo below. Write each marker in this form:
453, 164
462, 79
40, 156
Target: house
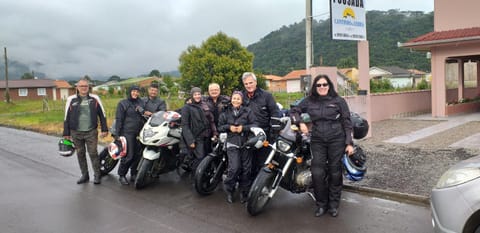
140, 81
294, 82
398, 77
300, 80
62, 90
28, 89
455, 41
350, 73
275, 83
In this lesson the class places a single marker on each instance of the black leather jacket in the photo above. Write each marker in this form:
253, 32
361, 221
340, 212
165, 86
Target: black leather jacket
72, 113
330, 117
128, 117
263, 105
154, 105
197, 122
244, 117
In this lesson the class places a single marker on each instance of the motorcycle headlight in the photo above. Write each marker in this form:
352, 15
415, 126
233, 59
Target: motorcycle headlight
457, 176
283, 146
147, 133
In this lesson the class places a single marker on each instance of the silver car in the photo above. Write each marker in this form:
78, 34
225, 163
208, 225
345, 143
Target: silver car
455, 200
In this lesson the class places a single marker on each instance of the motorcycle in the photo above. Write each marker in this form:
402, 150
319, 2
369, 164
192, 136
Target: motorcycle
161, 136
211, 169
288, 163
287, 166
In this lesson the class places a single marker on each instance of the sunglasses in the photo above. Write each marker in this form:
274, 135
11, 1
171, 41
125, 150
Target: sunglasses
321, 85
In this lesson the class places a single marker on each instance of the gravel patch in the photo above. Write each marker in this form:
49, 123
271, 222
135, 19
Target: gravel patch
412, 168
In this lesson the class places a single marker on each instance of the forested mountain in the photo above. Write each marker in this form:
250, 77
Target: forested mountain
283, 50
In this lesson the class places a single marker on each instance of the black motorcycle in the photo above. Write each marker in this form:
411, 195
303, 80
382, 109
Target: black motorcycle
288, 164
211, 169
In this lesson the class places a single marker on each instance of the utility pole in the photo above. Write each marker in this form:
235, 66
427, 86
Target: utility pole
7, 92
308, 35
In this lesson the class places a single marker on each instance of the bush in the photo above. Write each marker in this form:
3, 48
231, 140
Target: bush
423, 85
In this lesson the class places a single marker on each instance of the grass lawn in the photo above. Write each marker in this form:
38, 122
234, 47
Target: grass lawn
48, 118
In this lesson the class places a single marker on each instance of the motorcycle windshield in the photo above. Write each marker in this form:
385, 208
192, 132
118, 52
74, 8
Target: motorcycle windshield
157, 118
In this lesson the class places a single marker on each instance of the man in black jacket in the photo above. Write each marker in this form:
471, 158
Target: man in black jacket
82, 112
264, 107
153, 103
216, 102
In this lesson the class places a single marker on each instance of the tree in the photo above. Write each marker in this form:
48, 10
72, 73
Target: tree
114, 78
155, 73
167, 79
27, 76
219, 59
348, 62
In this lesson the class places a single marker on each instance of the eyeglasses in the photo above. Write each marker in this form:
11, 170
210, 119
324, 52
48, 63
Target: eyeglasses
321, 85
82, 86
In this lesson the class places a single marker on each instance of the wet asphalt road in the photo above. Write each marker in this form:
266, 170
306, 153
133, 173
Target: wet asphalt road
39, 194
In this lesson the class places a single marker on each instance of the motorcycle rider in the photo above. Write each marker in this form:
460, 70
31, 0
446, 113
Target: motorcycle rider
264, 107
82, 112
237, 120
152, 102
129, 122
331, 137
216, 102
198, 125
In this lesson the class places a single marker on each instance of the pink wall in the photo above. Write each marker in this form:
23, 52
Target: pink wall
391, 105
452, 94
450, 15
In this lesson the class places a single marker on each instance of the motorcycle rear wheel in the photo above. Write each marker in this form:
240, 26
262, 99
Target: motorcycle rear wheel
208, 175
143, 175
258, 196
107, 163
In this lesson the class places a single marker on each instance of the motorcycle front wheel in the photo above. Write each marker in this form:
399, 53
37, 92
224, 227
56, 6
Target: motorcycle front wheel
258, 196
107, 163
143, 174
208, 175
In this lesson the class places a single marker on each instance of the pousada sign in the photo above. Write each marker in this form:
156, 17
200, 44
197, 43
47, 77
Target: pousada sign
348, 21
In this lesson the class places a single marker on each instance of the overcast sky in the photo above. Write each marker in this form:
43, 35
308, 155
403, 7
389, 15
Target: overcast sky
128, 38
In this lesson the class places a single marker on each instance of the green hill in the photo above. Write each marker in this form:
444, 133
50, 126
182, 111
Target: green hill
283, 50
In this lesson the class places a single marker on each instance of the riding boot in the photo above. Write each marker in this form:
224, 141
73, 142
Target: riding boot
123, 180
96, 179
230, 197
83, 179
243, 196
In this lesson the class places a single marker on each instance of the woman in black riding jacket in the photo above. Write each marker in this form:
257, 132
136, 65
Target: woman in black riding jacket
331, 137
237, 120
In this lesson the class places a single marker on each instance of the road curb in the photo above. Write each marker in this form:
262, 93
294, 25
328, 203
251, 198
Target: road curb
390, 195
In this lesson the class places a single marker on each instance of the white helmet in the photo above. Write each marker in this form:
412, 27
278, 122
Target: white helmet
118, 148
259, 137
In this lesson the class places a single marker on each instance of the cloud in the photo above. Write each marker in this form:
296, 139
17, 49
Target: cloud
127, 38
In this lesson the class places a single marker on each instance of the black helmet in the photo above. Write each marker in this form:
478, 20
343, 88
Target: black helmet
360, 126
354, 164
66, 147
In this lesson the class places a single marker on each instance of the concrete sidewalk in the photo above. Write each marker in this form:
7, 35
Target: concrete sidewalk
471, 142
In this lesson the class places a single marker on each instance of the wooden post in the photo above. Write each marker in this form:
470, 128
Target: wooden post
7, 92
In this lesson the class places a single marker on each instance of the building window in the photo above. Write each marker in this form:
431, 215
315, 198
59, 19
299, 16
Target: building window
22, 92
41, 91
